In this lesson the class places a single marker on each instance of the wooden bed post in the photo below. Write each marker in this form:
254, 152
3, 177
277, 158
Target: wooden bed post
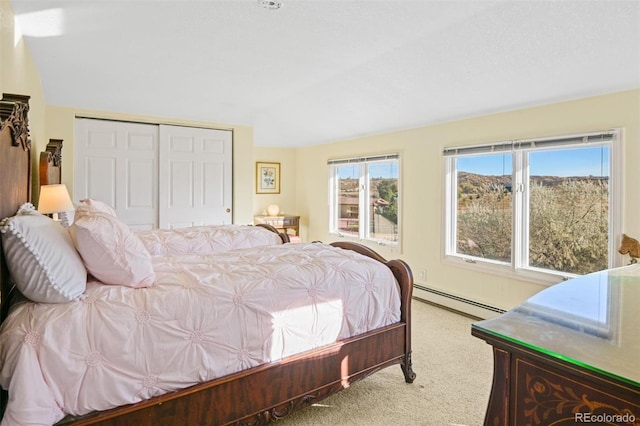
15, 172
404, 276
15, 181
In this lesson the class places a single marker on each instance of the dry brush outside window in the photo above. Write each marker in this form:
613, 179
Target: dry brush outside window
544, 205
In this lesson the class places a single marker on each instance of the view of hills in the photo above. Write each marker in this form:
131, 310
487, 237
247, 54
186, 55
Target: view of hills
351, 185
468, 183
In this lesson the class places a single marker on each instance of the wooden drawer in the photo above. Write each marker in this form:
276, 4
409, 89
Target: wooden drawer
290, 221
543, 394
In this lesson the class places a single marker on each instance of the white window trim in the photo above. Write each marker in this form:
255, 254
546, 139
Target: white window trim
363, 206
519, 251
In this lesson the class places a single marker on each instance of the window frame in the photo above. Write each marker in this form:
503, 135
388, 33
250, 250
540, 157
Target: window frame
518, 267
364, 208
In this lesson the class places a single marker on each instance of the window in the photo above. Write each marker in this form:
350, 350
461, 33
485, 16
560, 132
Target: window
535, 206
364, 197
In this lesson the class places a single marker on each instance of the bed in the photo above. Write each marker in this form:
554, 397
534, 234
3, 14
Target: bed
253, 389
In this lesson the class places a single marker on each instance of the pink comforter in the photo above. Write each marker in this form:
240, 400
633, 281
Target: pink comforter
206, 316
206, 239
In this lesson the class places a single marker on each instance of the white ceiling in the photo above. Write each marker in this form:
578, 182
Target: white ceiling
316, 71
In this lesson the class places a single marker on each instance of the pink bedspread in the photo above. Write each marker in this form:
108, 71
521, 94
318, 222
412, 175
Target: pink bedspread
206, 239
206, 316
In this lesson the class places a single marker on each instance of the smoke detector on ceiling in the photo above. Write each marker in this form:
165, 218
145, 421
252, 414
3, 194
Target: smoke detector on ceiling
271, 4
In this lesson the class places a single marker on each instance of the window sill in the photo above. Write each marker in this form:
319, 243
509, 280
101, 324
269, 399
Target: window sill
505, 270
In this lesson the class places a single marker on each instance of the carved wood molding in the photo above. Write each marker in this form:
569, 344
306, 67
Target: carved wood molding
306, 400
14, 111
51, 163
292, 406
548, 400
54, 149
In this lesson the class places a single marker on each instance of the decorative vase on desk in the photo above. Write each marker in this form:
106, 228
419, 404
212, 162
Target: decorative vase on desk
273, 210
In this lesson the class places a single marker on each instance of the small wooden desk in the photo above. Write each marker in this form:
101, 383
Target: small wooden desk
283, 223
568, 355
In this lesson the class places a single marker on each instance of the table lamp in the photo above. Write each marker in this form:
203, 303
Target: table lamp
55, 199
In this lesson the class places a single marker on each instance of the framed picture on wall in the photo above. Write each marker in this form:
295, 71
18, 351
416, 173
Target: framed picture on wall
267, 178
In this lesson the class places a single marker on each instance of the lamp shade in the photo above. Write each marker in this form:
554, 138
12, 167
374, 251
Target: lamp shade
273, 209
54, 199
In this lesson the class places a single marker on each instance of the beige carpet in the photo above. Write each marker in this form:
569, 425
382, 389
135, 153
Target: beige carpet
454, 372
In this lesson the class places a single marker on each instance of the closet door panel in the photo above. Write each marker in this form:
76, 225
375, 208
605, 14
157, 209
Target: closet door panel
181, 184
100, 179
195, 177
140, 190
213, 184
117, 163
101, 140
138, 193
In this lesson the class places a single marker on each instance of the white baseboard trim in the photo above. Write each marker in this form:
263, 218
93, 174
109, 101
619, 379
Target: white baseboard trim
458, 303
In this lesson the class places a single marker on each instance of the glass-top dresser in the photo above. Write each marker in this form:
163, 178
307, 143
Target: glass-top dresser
569, 355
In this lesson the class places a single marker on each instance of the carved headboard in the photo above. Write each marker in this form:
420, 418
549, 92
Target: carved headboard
15, 171
51, 163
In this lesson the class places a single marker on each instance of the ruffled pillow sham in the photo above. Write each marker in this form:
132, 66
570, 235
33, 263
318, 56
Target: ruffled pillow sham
41, 257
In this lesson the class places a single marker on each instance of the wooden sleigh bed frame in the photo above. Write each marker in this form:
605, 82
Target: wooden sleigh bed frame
251, 397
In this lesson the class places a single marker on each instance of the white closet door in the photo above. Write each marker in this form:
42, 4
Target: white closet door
117, 163
195, 177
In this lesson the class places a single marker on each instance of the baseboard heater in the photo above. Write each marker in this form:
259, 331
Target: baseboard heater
458, 303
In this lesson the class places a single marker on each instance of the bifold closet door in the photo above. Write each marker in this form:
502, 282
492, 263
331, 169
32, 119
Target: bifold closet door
195, 180
117, 163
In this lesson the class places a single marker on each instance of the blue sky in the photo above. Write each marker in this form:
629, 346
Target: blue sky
566, 162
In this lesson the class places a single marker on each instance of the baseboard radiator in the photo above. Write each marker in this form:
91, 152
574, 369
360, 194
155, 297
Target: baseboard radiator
467, 306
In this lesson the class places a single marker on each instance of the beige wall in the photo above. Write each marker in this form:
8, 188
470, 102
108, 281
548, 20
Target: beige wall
18, 75
422, 182
286, 200
60, 124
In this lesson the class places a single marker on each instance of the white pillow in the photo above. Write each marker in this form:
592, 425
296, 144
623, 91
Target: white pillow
41, 258
110, 250
98, 206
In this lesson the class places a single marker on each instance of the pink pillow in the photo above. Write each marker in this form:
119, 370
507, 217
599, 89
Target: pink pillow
110, 250
88, 206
